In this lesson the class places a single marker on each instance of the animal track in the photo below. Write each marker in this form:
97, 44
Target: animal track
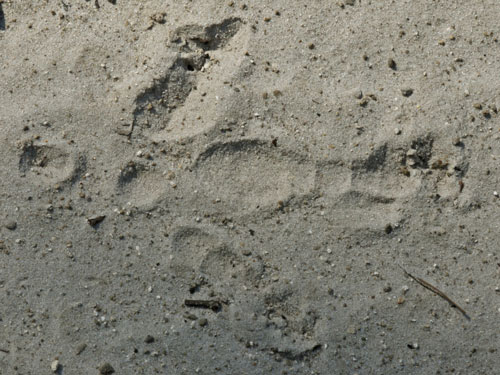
158, 111
282, 321
51, 163
250, 174
141, 184
195, 37
196, 252
279, 319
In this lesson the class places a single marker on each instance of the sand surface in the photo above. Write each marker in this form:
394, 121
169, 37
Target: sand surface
231, 187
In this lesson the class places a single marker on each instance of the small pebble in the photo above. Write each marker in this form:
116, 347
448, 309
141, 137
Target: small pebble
203, 322
11, 225
54, 366
391, 64
106, 369
387, 288
80, 348
495, 193
149, 339
407, 92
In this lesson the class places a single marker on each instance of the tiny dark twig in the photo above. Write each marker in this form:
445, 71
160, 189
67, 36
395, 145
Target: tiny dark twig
435, 290
4, 350
213, 305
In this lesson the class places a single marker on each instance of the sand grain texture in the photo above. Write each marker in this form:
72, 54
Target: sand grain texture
274, 162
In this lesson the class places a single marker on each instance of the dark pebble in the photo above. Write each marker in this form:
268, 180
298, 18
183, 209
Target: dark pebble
388, 228
11, 225
391, 64
407, 92
106, 369
149, 339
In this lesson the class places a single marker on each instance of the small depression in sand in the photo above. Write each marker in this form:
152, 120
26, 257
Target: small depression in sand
141, 185
50, 163
251, 174
184, 101
201, 252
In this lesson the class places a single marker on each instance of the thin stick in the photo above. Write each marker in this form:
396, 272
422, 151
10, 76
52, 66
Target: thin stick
4, 350
432, 288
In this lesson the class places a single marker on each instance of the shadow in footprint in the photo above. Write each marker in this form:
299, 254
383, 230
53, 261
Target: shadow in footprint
215, 36
52, 163
156, 105
2, 18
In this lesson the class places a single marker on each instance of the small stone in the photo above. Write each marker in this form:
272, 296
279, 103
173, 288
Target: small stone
401, 300
495, 193
54, 366
106, 369
11, 225
149, 339
311, 46
407, 92
397, 131
203, 322
387, 288
391, 64
80, 348
478, 106
388, 229
363, 102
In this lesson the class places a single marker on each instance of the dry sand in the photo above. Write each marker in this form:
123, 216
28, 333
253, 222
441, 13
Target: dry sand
278, 159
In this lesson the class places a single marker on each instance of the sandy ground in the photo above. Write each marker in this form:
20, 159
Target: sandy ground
230, 187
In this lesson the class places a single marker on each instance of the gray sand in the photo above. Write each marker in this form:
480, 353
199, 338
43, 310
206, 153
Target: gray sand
221, 187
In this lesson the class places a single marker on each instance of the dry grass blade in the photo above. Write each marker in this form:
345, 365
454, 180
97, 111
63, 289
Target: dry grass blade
435, 290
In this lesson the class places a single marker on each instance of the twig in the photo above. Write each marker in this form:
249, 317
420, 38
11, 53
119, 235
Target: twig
4, 350
213, 305
435, 290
